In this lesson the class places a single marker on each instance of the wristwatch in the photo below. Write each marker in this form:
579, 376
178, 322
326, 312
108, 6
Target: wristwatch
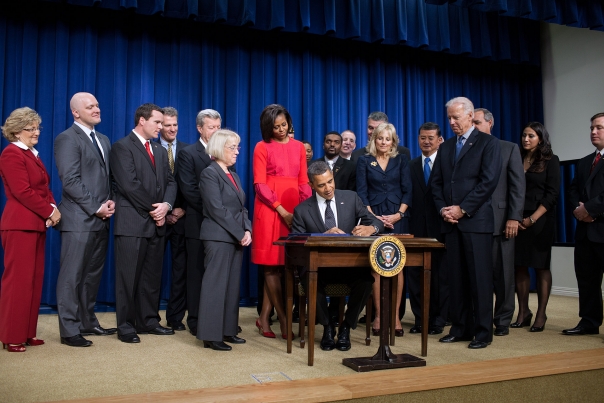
401, 214
377, 230
463, 211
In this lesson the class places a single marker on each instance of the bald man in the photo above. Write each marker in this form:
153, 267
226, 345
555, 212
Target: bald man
82, 158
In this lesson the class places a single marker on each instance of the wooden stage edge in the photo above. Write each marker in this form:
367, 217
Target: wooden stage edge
388, 382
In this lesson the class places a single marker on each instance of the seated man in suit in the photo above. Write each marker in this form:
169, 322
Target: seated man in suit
316, 215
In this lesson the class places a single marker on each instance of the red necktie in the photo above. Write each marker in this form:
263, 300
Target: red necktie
598, 156
150, 153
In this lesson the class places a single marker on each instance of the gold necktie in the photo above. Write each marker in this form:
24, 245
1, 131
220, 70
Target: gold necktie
170, 158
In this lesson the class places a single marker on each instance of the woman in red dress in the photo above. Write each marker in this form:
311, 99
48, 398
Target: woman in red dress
281, 183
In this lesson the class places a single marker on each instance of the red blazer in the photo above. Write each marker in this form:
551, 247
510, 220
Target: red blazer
26, 184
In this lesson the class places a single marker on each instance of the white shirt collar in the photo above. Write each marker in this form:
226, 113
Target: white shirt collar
142, 140
24, 147
86, 130
432, 158
203, 143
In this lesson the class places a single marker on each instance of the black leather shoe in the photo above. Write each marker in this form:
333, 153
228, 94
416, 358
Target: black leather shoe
327, 342
98, 331
217, 345
580, 330
501, 331
76, 341
524, 322
193, 330
453, 339
343, 343
176, 326
435, 330
129, 338
415, 329
474, 344
160, 331
233, 339
363, 319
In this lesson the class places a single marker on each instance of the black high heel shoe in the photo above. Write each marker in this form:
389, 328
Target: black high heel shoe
525, 322
538, 328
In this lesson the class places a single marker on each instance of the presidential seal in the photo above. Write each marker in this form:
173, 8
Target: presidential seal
387, 256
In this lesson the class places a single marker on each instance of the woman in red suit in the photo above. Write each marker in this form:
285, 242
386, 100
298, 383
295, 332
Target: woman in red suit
281, 183
30, 209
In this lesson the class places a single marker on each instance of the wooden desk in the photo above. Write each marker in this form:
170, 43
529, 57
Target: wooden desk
313, 252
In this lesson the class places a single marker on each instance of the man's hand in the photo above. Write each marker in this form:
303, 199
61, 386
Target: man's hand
176, 214
581, 214
171, 219
107, 210
452, 214
161, 209
334, 230
511, 228
363, 230
247, 239
161, 222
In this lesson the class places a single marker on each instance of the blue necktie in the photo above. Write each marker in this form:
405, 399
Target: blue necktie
459, 146
427, 169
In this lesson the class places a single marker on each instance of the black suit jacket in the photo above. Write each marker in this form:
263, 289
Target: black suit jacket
424, 220
138, 185
362, 151
179, 202
588, 188
468, 182
344, 174
350, 208
508, 197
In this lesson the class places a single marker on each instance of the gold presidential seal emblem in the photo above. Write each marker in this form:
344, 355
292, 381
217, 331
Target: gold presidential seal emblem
387, 256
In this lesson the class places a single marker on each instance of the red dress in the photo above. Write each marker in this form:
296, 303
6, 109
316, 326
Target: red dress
279, 179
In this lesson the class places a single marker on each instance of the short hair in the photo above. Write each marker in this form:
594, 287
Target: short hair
333, 132
597, 115
468, 106
371, 148
145, 111
207, 113
316, 168
378, 116
430, 126
170, 111
218, 141
306, 142
543, 152
17, 121
488, 116
268, 117
351, 132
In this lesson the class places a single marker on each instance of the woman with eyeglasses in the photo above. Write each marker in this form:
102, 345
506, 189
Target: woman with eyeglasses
225, 231
30, 209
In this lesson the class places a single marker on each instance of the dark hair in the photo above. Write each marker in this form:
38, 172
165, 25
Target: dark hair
378, 117
430, 126
316, 168
336, 133
597, 115
543, 152
306, 142
267, 120
145, 111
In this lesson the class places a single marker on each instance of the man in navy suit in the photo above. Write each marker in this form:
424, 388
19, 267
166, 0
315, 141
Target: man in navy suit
587, 198
465, 175
425, 222
175, 225
374, 120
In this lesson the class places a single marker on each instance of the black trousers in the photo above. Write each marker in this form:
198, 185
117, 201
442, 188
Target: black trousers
195, 271
589, 269
177, 304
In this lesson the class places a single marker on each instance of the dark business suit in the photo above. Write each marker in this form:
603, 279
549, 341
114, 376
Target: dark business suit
507, 202
350, 208
344, 173
468, 182
192, 160
139, 243
425, 222
84, 236
224, 225
362, 151
175, 235
588, 188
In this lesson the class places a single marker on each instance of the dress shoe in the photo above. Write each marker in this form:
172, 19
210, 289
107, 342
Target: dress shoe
98, 331
415, 329
159, 331
13, 348
435, 330
193, 330
363, 319
536, 329
453, 339
525, 322
580, 329
399, 332
217, 345
343, 343
129, 338
327, 342
233, 339
268, 334
501, 330
176, 326
34, 342
474, 344
76, 341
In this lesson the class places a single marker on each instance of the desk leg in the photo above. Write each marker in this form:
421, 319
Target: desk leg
289, 286
312, 305
393, 310
426, 300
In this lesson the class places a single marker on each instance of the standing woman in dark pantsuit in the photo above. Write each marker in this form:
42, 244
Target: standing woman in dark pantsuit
534, 242
225, 230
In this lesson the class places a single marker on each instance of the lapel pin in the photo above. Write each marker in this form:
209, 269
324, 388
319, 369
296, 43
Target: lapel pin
373, 164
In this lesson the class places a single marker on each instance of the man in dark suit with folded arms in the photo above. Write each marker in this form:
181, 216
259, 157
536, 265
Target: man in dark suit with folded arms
465, 175
145, 193
587, 198
82, 158
334, 211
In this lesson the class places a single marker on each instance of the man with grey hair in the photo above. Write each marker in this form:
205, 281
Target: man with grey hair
349, 144
508, 204
464, 176
373, 121
193, 160
175, 229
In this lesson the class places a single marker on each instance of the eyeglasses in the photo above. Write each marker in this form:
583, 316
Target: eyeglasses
233, 148
34, 129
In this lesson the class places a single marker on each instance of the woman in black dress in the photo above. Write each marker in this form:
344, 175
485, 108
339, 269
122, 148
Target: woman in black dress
534, 242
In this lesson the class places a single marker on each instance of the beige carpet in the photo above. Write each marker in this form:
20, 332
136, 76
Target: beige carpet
179, 362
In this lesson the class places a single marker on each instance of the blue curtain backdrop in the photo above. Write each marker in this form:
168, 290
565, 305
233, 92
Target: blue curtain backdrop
327, 83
